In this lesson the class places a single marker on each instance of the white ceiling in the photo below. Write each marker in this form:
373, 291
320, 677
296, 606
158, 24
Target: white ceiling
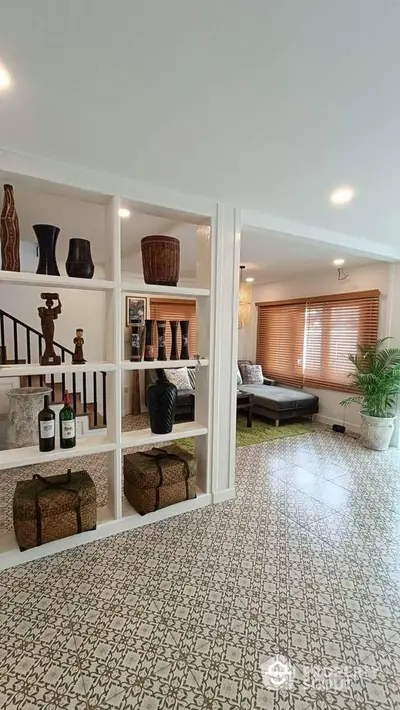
269, 104
271, 256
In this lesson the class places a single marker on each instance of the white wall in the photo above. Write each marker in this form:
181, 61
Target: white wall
326, 282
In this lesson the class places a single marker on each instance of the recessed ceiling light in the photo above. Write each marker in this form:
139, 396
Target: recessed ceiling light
342, 195
123, 212
5, 78
338, 262
250, 280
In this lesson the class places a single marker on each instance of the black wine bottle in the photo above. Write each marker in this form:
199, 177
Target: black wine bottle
67, 424
46, 420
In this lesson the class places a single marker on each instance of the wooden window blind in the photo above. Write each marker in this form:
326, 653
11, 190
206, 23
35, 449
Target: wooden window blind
307, 341
280, 335
333, 328
175, 309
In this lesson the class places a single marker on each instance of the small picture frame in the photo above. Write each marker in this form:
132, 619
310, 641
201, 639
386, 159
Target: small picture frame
136, 310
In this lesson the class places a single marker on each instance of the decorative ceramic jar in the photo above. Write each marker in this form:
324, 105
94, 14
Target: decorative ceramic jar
162, 351
148, 346
25, 405
161, 401
10, 259
161, 259
79, 262
185, 340
47, 235
174, 340
136, 346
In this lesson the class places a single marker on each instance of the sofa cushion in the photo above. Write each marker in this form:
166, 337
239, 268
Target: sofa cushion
179, 378
279, 398
252, 374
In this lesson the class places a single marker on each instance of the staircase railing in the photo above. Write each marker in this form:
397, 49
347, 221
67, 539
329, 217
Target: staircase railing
29, 331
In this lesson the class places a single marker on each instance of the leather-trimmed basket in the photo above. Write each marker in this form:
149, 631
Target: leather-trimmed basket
161, 259
46, 509
158, 478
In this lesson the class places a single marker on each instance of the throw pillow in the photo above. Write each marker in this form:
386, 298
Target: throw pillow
252, 374
179, 378
239, 380
192, 376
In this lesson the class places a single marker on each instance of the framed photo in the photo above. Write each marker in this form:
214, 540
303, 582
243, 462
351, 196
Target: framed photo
136, 310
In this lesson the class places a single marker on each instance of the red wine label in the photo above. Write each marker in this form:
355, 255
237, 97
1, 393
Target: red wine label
149, 352
47, 430
68, 429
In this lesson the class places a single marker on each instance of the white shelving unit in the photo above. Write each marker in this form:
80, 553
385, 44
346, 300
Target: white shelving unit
215, 371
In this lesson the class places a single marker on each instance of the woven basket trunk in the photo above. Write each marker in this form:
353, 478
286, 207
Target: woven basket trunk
148, 490
161, 259
42, 513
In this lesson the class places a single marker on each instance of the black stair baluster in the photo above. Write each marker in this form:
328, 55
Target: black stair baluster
62, 376
74, 390
95, 398
84, 393
104, 374
53, 393
15, 334
28, 346
3, 340
28, 353
41, 377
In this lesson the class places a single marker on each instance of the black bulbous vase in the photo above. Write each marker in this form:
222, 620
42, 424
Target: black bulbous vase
47, 235
79, 262
161, 401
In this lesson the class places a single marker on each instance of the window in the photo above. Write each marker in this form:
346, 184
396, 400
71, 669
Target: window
280, 335
175, 309
307, 342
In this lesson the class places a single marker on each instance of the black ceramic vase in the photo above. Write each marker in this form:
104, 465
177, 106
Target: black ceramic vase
185, 340
148, 346
136, 350
162, 351
79, 261
161, 401
47, 236
174, 336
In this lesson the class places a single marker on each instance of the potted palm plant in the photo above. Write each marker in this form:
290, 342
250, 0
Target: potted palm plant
377, 378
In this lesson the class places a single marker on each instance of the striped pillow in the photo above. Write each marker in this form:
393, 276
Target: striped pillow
192, 376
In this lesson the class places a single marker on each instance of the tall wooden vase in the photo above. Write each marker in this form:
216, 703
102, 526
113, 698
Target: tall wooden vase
10, 260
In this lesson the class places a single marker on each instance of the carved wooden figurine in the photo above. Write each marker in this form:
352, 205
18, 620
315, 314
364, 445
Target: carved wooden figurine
48, 314
77, 358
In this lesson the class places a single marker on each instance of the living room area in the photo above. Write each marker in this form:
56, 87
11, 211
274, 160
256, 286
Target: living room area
199, 355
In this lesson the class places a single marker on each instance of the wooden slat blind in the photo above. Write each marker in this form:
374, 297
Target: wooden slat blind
332, 331
175, 309
307, 341
280, 335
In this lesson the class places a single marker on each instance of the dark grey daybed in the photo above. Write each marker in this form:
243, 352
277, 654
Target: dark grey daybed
280, 403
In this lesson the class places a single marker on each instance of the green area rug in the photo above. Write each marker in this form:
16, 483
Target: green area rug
261, 431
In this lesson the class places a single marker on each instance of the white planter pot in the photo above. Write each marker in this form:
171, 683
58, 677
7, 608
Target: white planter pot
376, 432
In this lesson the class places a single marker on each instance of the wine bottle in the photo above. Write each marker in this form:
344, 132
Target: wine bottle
46, 420
67, 424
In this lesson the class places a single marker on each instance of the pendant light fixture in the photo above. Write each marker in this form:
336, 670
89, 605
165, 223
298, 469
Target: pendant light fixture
245, 290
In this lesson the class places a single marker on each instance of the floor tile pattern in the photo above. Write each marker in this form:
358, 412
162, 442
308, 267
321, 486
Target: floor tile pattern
303, 566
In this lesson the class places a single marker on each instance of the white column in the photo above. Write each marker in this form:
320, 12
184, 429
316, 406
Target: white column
392, 328
224, 362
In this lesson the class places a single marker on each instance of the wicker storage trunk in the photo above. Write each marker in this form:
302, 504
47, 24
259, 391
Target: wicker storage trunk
158, 478
46, 509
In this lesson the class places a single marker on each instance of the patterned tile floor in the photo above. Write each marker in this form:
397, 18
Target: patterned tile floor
303, 566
